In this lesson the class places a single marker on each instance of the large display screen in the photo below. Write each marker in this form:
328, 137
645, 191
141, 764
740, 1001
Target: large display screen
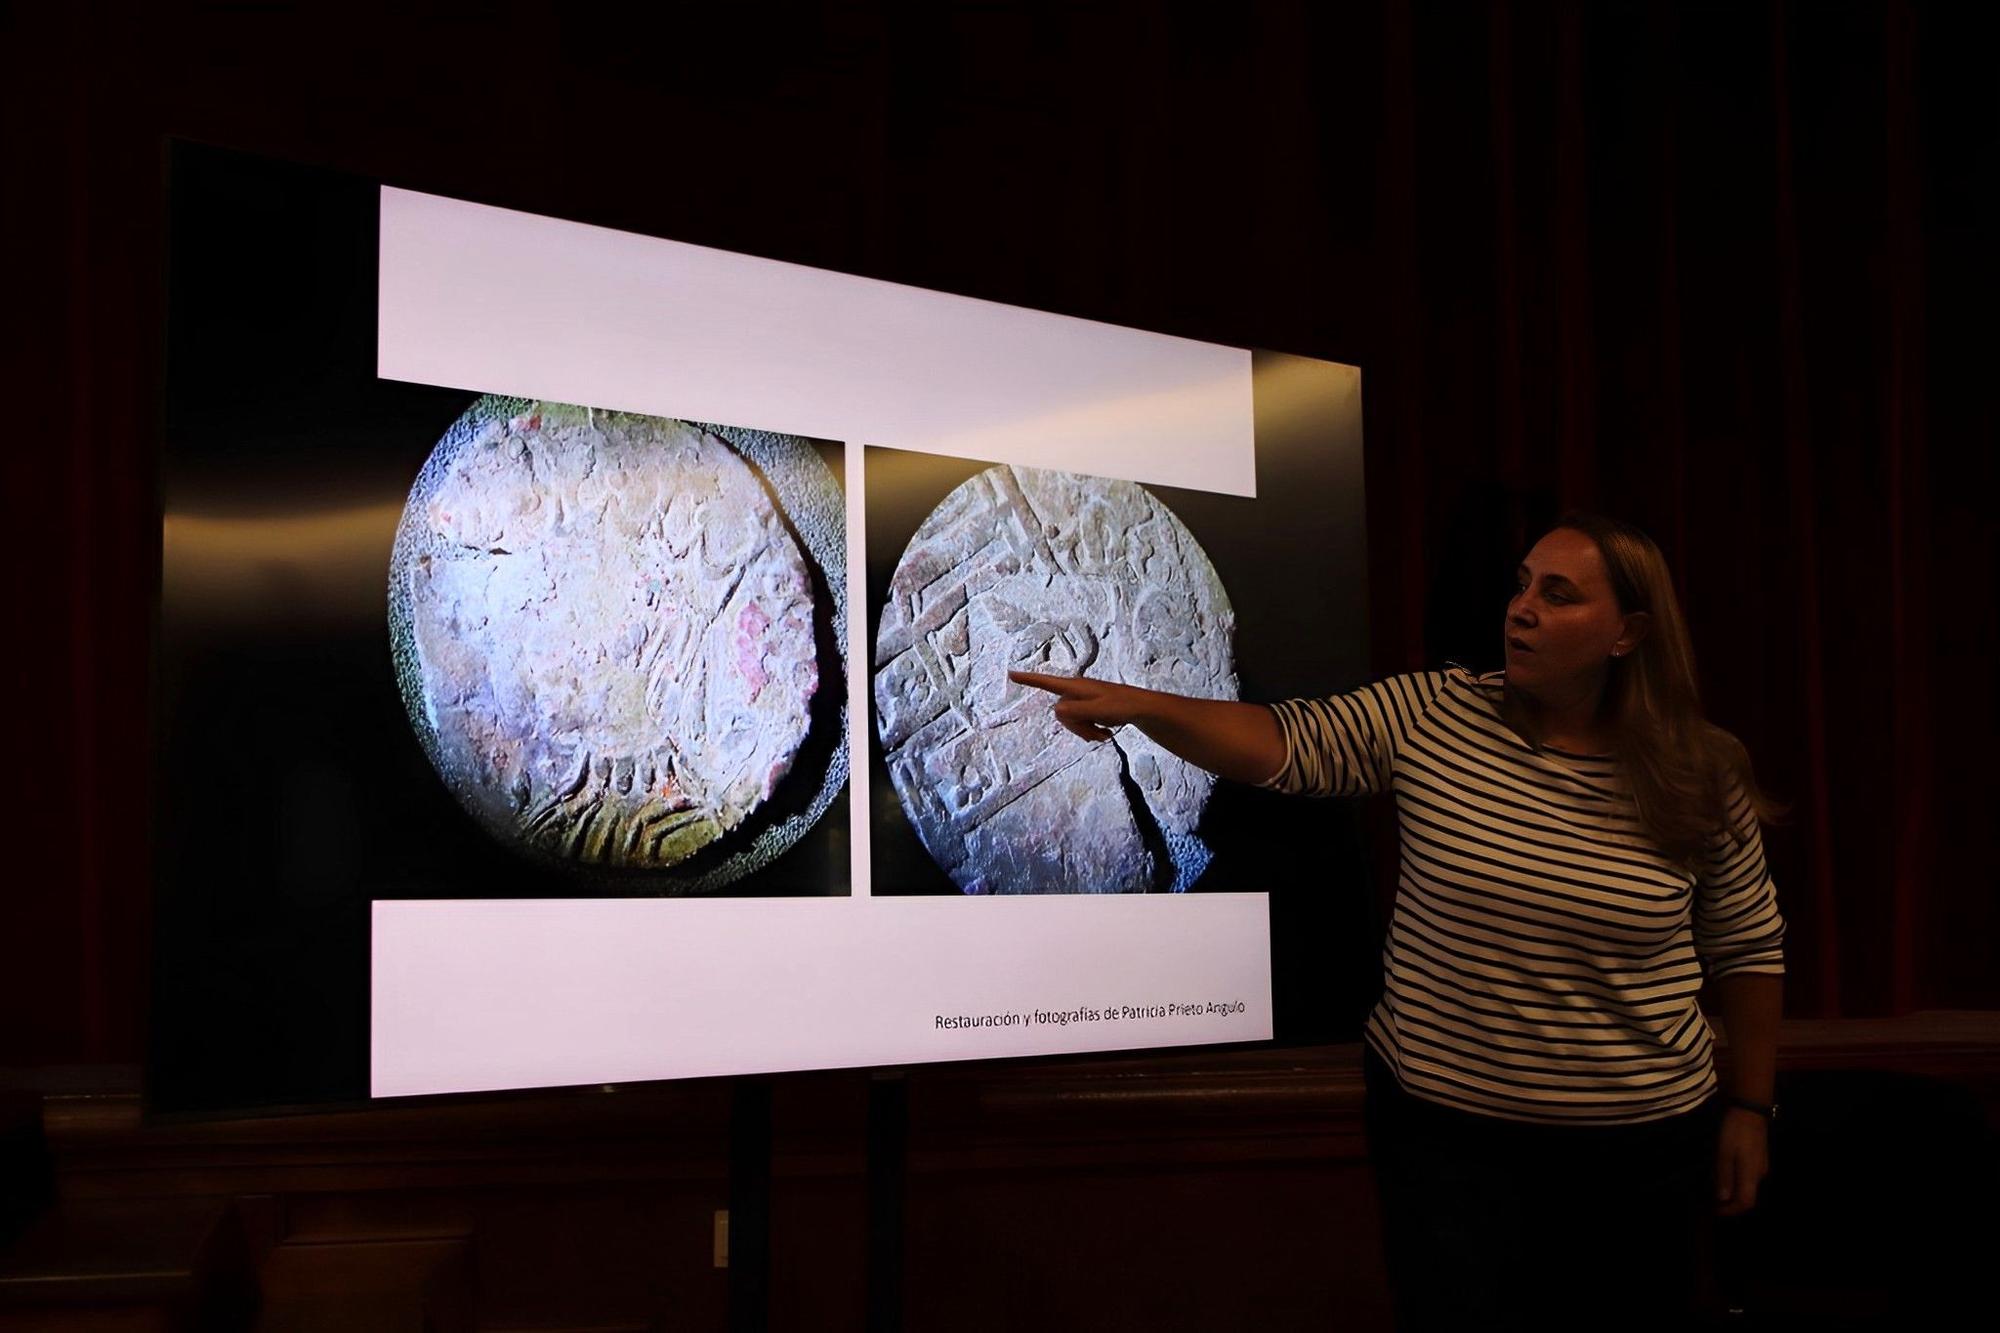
584, 659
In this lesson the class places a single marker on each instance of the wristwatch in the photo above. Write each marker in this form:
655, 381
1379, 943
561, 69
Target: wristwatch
1769, 1110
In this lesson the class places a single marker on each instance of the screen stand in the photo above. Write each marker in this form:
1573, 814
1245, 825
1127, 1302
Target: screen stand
750, 1206
888, 1147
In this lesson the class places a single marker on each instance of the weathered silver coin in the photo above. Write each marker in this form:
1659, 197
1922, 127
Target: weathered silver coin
604, 633
1022, 568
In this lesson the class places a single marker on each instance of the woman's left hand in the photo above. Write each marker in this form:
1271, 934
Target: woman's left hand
1742, 1160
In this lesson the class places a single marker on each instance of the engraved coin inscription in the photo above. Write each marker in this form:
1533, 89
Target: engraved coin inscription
604, 631
1022, 568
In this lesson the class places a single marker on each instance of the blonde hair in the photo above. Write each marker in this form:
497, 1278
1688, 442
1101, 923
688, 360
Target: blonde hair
1681, 767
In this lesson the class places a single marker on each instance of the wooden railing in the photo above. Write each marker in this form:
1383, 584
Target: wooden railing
1196, 1191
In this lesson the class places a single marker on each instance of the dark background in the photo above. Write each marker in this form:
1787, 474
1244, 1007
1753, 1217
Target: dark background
1726, 271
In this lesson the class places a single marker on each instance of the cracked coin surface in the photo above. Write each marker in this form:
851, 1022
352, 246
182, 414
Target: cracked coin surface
604, 631
1031, 569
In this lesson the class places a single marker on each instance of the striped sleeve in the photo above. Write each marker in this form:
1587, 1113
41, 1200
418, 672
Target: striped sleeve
1737, 927
1346, 745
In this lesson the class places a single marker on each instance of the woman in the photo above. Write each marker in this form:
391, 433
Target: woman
1580, 849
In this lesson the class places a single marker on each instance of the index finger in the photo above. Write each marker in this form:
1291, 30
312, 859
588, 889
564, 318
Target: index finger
1063, 685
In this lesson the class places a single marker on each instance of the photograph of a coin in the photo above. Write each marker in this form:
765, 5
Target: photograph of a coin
608, 637
1031, 569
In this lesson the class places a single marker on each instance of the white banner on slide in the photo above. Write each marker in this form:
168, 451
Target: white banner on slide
484, 995
497, 301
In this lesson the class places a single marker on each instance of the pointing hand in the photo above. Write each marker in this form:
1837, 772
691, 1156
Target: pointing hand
1092, 709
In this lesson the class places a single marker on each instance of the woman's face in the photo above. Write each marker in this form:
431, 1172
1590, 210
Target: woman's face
1563, 624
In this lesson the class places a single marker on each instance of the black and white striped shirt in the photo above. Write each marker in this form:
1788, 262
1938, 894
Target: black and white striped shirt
1543, 957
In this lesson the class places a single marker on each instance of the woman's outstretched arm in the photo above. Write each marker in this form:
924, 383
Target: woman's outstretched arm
1233, 740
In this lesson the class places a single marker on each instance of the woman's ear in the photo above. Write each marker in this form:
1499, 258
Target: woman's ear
1638, 624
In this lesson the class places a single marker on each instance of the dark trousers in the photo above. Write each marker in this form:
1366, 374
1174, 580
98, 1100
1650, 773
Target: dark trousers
1496, 1224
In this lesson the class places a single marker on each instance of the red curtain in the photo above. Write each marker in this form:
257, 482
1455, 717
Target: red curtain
1723, 271
1716, 272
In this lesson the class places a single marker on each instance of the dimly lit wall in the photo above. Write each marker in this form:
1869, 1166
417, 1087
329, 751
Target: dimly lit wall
1724, 270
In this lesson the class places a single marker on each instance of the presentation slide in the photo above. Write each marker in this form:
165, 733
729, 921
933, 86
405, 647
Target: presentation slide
604, 641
